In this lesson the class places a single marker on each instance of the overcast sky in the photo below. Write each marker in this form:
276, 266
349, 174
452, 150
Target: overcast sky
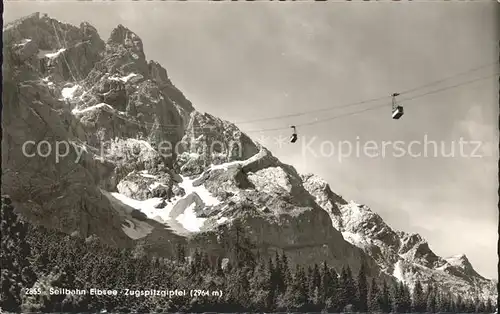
242, 61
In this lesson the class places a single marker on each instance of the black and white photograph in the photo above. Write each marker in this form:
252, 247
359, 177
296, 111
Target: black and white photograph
250, 157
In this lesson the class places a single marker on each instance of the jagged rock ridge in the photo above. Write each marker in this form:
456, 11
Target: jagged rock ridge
119, 182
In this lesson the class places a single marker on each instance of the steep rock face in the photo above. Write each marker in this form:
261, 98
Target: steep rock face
209, 140
325, 198
38, 185
139, 186
125, 52
52, 84
461, 267
277, 212
159, 75
64, 52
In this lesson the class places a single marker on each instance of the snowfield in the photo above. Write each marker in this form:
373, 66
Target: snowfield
201, 191
147, 207
23, 42
354, 238
189, 220
178, 213
68, 92
94, 107
145, 174
102, 105
50, 54
398, 272
124, 79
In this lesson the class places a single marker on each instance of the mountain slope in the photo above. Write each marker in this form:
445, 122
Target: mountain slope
407, 257
143, 166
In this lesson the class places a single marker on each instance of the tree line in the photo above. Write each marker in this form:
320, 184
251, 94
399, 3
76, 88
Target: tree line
34, 259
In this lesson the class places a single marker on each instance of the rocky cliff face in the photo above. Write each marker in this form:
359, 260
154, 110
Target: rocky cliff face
136, 163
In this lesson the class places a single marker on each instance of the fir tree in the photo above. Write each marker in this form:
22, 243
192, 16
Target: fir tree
15, 250
259, 287
333, 296
350, 288
287, 274
279, 274
374, 298
405, 298
300, 289
396, 297
418, 304
205, 263
362, 293
326, 282
459, 304
342, 293
316, 276
314, 287
271, 298
489, 306
479, 305
431, 299
386, 298
180, 252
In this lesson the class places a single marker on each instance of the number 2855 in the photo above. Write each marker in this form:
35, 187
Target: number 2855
32, 291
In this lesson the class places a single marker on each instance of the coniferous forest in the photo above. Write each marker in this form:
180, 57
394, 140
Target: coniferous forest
36, 260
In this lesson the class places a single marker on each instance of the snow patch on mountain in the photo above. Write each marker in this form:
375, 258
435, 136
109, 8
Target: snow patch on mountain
68, 92
123, 79
222, 220
48, 53
179, 213
47, 81
207, 197
398, 272
23, 42
94, 107
145, 174
102, 106
189, 220
155, 185
148, 206
355, 239
225, 166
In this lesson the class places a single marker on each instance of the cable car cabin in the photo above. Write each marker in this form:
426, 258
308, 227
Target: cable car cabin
397, 112
293, 138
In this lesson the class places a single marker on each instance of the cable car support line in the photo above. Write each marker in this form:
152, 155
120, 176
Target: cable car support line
364, 101
374, 107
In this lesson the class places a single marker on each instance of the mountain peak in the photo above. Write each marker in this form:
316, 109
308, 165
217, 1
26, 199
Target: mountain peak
461, 263
121, 36
124, 36
32, 17
459, 260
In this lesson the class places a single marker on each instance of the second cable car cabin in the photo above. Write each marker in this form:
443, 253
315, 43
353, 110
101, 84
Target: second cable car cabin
397, 110
293, 138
